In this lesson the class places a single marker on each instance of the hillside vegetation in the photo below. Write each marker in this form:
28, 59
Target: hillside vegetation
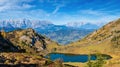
26, 48
106, 40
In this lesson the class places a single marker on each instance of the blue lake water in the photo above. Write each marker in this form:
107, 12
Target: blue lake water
72, 58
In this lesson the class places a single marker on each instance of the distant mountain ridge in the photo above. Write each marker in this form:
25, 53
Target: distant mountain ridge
62, 34
25, 23
84, 25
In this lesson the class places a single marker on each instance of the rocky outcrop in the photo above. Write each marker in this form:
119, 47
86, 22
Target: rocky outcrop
25, 41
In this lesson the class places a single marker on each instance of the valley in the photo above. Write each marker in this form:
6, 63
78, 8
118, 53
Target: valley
34, 46
104, 41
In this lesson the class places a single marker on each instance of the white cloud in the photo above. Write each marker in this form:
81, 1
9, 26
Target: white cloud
32, 14
92, 12
27, 6
57, 9
14, 4
99, 12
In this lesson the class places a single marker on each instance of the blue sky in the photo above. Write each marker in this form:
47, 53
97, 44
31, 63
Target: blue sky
61, 11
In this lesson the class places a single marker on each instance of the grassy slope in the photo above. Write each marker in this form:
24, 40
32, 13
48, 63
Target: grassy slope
98, 42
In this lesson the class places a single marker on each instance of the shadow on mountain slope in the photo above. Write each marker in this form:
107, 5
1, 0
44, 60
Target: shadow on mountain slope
7, 46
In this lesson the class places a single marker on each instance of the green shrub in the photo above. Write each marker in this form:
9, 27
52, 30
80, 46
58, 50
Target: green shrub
99, 62
116, 41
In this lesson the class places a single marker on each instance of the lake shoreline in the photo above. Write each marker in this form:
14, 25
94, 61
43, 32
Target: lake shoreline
81, 58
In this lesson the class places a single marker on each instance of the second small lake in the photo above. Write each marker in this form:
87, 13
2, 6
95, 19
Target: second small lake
73, 57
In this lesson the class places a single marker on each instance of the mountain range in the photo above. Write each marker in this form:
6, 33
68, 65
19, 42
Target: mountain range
85, 25
63, 34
